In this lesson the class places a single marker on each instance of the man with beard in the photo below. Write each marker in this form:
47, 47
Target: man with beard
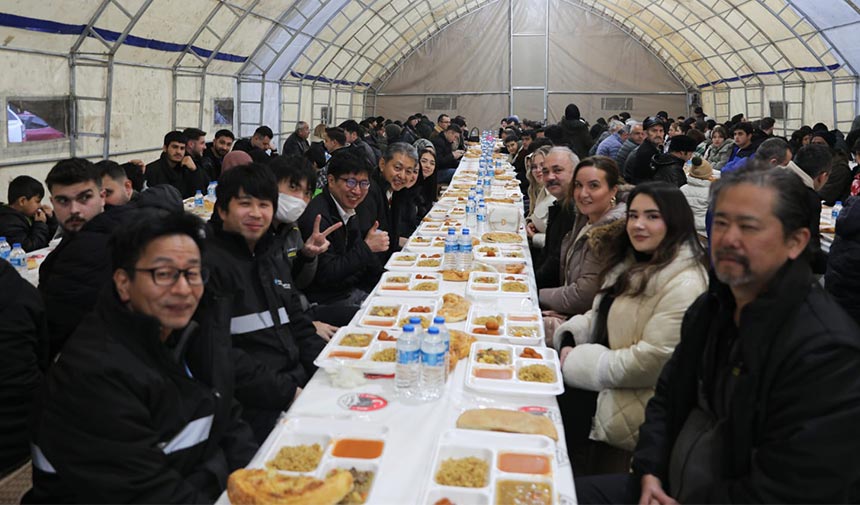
761, 399
176, 168
638, 166
72, 275
216, 150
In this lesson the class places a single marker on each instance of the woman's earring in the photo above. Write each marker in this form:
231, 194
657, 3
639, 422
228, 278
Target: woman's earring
612, 202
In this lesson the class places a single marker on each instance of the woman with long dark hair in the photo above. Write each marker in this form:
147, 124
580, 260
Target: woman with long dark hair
427, 185
657, 268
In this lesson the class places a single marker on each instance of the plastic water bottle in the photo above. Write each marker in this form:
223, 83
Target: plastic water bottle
837, 208
471, 212
5, 249
408, 363
431, 381
449, 259
210, 190
465, 253
18, 258
198, 199
482, 219
439, 322
415, 321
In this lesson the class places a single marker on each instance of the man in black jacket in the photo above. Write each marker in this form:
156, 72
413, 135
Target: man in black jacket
274, 340
297, 143
259, 146
761, 400
575, 131
447, 159
637, 168
140, 407
176, 168
23, 360
74, 273
216, 150
351, 267
669, 167
557, 177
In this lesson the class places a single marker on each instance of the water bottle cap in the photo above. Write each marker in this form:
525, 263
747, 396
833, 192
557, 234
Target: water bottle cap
199, 192
409, 328
433, 330
452, 231
838, 202
16, 245
439, 320
414, 320
3, 238
465, 231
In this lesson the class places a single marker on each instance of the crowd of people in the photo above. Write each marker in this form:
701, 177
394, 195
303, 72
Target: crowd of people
677, 263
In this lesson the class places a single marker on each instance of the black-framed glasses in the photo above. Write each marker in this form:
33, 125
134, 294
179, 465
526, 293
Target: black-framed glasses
352, 183
167, 276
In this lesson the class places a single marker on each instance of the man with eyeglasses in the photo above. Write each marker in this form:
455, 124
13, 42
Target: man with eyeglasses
351, 267
72, 275
274, 341
139, 407
442, 124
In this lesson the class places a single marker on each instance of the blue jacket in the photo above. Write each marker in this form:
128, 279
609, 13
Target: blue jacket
610, 146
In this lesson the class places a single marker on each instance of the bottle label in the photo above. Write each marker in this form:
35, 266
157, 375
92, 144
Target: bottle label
433, 359
18, 262
408, 357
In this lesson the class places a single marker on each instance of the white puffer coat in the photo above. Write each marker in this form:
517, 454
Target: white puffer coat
697, 192
643, 332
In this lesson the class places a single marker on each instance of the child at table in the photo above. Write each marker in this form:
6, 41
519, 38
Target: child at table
25, 220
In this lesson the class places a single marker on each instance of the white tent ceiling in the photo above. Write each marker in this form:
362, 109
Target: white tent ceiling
360, 42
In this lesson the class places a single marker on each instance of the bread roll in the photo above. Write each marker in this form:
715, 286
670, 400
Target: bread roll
510, 421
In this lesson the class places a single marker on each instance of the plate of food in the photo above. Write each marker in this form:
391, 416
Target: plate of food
313, 460
414, 284
369, 350
498, 468
411, 261
493, 253
514, 369
455, 308
393, 313
485, 284
425, 243
513, 327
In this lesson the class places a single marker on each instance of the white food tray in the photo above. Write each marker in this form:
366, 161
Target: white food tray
499, 252
409, 261
368, 318
492, 284
513, 385
409, 284
489, 446
430, 244
364, 354
513, 328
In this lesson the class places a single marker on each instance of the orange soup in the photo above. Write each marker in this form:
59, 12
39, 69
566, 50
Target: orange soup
374, 322
524, 463
345, 354
357, 448
494, 373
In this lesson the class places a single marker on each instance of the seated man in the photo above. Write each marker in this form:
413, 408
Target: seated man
274, 342
176, 168
116, 184
74, 273
761, 400
447, 158
139, 407
259, 146
216, 150
392, 199
350, 268
669, 166
25, 220
23, 360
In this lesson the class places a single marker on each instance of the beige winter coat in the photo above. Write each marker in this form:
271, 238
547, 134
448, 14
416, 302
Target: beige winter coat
643, 332
582, 260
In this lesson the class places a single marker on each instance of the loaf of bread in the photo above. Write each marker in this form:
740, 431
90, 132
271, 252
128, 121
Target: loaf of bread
510, 421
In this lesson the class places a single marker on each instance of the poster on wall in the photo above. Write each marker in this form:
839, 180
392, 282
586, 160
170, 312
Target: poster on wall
223, 111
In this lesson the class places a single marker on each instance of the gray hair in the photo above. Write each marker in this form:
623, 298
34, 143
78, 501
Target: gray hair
301, 124
630, 124
615, 126
773, 148
400, 148
574, 159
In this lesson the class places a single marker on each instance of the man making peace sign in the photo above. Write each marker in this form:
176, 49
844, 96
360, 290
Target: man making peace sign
274, 342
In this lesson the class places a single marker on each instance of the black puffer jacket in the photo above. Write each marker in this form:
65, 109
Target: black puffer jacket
560, 220
74, 273
17, 227
793, 411
637, 168
576, 136
669, 169
274, 341
23, 359
188, 182
842, 279
125, 418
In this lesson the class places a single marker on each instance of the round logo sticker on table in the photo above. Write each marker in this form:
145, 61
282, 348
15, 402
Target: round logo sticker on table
362, 402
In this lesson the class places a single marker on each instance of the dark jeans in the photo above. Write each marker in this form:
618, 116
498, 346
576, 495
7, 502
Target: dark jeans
577, 408
612, 488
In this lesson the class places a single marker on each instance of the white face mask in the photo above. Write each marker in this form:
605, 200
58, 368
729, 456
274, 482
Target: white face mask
289, 208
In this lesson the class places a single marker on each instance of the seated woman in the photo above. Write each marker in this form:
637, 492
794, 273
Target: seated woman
594, 190
540, 200
618, 348
427, 185
720, 150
